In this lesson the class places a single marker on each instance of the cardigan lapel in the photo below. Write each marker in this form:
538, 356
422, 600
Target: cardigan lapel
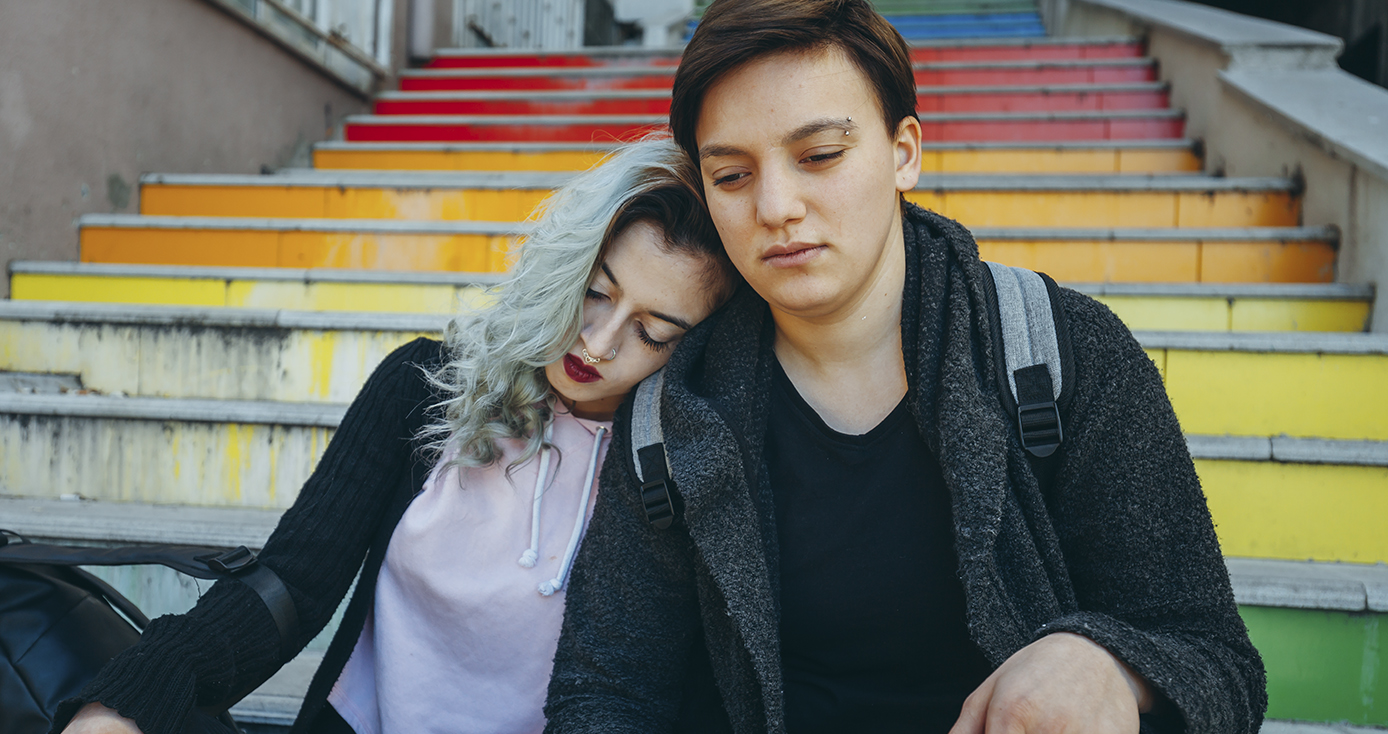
713, 411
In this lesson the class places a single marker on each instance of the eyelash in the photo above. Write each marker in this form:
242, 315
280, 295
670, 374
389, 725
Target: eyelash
820, 158
641, 333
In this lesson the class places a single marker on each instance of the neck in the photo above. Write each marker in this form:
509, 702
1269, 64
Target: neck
847, 364
593, 410
855, 333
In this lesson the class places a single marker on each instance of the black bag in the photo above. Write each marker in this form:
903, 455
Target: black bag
59, 624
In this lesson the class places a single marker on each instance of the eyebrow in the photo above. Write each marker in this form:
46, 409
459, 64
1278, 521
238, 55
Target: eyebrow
813, 127
673, 320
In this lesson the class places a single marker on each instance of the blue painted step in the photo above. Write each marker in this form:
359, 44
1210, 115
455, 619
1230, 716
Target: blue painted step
923, 27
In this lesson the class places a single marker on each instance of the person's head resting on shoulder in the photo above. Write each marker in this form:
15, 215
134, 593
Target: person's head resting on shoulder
615, 267
801, 118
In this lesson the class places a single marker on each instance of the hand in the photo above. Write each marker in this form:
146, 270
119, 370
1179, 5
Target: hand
1061, 684
97, 719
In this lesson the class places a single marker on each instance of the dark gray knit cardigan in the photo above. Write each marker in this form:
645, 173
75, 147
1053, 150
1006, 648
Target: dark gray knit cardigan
1119, 549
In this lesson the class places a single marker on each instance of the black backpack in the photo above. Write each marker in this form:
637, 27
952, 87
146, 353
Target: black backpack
1034, 379
61, 624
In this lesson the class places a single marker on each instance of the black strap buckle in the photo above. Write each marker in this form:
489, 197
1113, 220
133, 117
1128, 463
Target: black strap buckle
660, 509
1039, 424
237, 559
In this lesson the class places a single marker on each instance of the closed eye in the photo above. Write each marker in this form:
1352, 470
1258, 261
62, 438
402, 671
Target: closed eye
646, 339
824, 157
594, 295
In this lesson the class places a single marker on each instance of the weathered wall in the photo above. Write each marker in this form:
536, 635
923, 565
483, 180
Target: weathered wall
92, 94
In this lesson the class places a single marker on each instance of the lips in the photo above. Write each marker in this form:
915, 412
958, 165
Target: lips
791, 254
578, 371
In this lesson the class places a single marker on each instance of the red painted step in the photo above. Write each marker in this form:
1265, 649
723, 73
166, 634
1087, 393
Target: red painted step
991, 50
1004, 73
1118, 125
1062, 98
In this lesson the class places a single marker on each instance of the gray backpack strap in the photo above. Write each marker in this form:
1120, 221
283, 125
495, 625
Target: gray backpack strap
1030, 337
648, 452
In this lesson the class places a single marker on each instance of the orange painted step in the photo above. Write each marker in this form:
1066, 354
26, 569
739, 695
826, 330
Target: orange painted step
1228, 255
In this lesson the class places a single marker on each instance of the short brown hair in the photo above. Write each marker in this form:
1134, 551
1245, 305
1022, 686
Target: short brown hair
734, 32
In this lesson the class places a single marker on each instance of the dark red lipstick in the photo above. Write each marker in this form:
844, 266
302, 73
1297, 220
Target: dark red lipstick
578, 371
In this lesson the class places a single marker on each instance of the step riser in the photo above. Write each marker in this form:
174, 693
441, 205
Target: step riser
1322, 666
1170, 262
1050, 161
243, 465
1322, 512
248, 293
1060, 101
924, 77
1139, 313
222, 363
1157, 128
160, 462
1045, 52
972, 208
1097, 262
1334, 396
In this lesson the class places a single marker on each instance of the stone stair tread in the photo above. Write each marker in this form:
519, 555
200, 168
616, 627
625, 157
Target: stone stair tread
300, 275
669, 69
1289, 449
1271, 341
228, 317
648, 119
535, 180
277, 701
88, 521
544, 147
1257, 581
587, 94
1284, 291
191, 410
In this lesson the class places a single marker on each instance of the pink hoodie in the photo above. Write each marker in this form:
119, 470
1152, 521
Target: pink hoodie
462, 635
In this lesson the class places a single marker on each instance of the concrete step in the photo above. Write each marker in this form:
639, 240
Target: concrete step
1103, 124
1295, 499
1165, 254
1001, 49
1170, 306
296, 289
1024, 98
1226, 307
207, 353
1313, 622
1271, 254
975, 200
1091, 157
1026, 24
927, 73
1303, 385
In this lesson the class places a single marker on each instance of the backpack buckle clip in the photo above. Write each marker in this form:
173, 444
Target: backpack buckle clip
1039, 425
237, 559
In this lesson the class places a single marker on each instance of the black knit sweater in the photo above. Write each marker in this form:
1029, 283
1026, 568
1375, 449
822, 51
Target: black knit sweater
228, 644
1120, 548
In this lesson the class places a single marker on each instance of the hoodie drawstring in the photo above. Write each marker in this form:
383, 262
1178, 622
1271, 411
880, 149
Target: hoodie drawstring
532, 554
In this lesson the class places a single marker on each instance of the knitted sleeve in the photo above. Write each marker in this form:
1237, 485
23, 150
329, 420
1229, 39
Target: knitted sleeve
630, 607
228, 643
1139, 542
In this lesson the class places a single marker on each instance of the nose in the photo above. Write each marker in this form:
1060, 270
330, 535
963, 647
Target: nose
601, 335
778, 200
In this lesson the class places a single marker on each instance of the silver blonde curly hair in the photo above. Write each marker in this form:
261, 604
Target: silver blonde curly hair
493, 385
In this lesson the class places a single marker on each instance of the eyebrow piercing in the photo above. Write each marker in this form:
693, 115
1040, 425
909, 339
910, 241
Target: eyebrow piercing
850, 122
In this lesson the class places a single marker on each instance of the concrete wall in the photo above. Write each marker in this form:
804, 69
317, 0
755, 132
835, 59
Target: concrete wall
1267, 99
94, 93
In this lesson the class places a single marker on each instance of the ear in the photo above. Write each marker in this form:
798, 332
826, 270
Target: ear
908, 153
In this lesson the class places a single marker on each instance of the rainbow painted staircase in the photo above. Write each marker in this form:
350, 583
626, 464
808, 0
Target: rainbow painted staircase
182, 379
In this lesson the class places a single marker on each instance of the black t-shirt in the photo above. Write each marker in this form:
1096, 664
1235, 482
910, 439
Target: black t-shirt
873, 629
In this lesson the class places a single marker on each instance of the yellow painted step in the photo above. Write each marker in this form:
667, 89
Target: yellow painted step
1305, 385
976, 201
1159, 255
1296, 499
295, 289
1099, 157
221, 354
1333, 307
1197, 307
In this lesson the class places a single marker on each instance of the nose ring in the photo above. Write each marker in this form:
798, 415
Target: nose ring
589, 359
